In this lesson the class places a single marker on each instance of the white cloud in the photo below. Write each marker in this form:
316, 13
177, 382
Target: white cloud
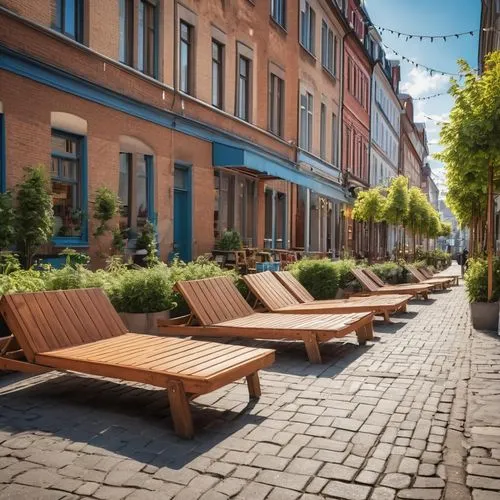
421, 83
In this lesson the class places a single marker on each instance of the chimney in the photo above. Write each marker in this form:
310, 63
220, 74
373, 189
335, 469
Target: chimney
396, 75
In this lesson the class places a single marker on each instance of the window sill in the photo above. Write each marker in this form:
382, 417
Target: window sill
329, 73
308, 52
279, 27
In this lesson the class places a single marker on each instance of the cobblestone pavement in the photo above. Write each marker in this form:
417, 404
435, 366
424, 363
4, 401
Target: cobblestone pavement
382, 421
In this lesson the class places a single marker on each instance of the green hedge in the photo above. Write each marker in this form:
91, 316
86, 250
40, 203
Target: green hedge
476, 280
390, 272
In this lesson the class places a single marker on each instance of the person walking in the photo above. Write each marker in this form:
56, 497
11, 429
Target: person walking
463, 260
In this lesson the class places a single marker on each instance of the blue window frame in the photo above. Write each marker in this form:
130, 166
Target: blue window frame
3, 155
147, 43
278, 12
69, 18
69, 188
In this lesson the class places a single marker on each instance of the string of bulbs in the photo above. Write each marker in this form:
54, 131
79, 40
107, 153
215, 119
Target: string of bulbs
410, 36
427, 97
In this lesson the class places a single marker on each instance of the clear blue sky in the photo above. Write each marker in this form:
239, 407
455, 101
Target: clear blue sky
429, 17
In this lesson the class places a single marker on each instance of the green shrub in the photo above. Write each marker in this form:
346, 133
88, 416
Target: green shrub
71, 276
144, 290
390, 272
230, 240
22, 281
147, 241
343, 268
9, 262
319, 277
476, 280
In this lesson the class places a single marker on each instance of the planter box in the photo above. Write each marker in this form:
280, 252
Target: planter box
143, 322
484, 315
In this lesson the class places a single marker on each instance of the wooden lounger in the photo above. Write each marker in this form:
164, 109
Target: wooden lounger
273, 294
428, 274
438, 283
375, 288
79, 330
218, 309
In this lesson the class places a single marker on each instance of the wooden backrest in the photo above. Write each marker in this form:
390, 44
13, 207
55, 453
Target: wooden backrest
214, 300
295, 287
413, 271
46, 321
270, 291
426, 272
373, 277
365, 281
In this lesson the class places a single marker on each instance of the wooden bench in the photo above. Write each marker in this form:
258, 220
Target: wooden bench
438, 283
79, 330
364, 276
218, 309
428, 274
271, 291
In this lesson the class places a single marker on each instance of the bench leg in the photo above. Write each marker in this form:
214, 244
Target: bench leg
365, 333
312, 348
180, 410
253, 385
387, 318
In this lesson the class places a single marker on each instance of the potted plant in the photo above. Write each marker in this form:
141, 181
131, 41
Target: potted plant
142, 296
230, 240
484, 314
145, 247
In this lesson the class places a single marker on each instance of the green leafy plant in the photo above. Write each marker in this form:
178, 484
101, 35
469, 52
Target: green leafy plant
106, 206
34, 218
74, 258
118, 241
7, 221
145, 290
476, 280
9, 262
230, 240
319, 276
147, 241
22, 281
390, 272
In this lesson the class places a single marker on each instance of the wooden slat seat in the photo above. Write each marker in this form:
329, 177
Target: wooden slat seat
438, 283
218, 309
79, 330
275, 296
443, 274
374, 288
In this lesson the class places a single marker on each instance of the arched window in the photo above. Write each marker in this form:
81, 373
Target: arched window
136, 184
69, 178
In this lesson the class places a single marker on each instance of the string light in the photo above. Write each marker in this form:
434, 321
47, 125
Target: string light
410, 36
432, 71
435, 120
427, 97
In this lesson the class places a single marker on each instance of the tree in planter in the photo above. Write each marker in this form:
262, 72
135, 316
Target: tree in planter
369, 207
417, 215
147, 241
106, 206
230, 240
34, 214
471, 152
396, 205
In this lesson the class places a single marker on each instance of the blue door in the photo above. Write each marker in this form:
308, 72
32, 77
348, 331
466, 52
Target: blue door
182, 213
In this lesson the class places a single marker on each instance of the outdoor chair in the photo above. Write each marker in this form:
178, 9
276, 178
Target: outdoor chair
438, 283
219, 310
271, 290
80, 331
379, 287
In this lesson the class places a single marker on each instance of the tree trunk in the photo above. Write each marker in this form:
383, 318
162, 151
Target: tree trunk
490, 232
370, 243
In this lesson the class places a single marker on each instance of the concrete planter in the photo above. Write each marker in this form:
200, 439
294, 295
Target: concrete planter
484, 315
143, 322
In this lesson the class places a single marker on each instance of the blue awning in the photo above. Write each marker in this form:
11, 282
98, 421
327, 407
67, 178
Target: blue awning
229, 156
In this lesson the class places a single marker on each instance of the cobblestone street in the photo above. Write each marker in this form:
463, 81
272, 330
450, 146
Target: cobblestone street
414, 414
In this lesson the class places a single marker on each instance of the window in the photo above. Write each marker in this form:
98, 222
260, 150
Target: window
276, 86
335, 140
348, 149
217, 74
328, 48
67, 186
126, 31
69, 18
147, 42
278, 11
306, 120
322, 132
134, 191
186, 67
243, 90
307, 26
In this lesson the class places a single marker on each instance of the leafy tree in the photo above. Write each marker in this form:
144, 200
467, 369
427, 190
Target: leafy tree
106, 206
369, 207
396, 206
34, 220
7, 218
445, 229
418, 213
471, 152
